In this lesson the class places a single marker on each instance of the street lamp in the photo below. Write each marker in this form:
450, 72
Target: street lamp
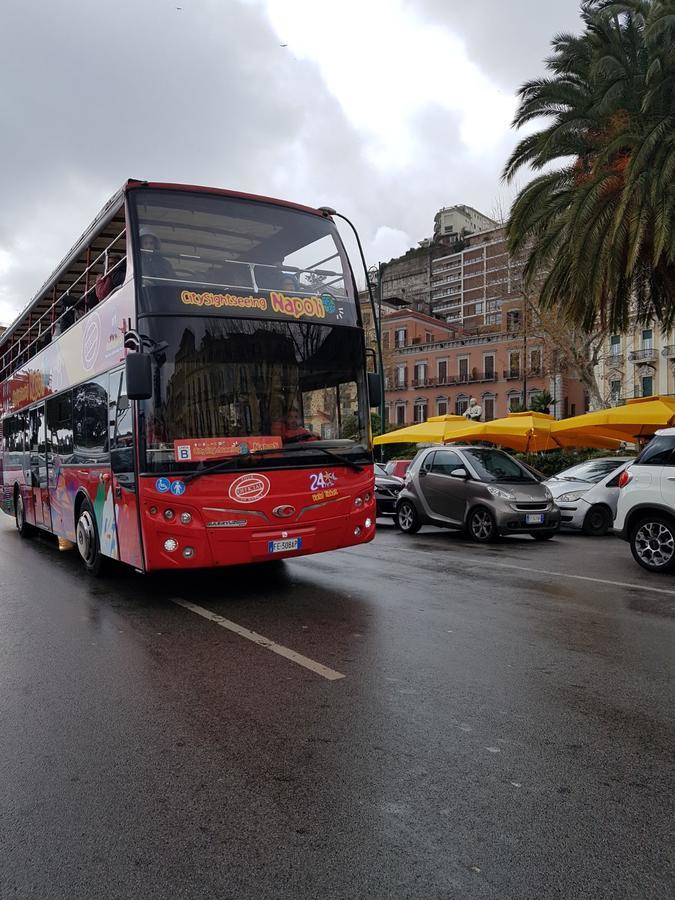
331, 212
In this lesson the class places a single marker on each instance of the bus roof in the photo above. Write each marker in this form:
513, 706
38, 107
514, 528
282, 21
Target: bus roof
40, 302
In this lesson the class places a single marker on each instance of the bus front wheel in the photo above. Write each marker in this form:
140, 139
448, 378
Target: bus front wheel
88, 544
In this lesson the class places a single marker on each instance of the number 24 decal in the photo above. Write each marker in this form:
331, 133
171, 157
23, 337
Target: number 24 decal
319, 480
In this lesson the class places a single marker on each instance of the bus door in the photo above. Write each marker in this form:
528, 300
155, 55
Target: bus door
123, 466
37, 471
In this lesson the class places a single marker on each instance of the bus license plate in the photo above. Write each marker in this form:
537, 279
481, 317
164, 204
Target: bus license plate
284, 546
537, 519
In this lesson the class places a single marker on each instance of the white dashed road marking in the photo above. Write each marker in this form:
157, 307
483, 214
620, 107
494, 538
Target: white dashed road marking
468, 560
626, 584
312, 665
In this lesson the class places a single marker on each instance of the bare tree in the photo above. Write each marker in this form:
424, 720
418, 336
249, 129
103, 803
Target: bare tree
578, 350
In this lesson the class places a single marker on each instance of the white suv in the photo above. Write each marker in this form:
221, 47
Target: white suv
645, 514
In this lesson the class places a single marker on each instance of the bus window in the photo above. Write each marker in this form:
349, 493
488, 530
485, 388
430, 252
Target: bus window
121, 425
36, 443
60, 427
90, 422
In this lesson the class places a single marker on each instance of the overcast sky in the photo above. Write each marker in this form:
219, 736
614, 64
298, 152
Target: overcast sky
383, 109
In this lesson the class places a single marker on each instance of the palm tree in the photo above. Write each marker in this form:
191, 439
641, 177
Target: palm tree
597, 231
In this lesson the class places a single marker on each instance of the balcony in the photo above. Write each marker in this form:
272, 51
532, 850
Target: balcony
399, 386
512, 374
669, 351
641, 356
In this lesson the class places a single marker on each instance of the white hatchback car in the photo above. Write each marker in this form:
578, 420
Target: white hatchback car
588, 492
645, 514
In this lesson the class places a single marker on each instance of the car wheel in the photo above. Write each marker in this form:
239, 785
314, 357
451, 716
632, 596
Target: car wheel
597, 521
652, 542
88, 544
406, 518
481, 525
542, 535
24, 529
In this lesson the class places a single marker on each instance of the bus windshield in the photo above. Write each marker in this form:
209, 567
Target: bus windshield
197, 252
227, 387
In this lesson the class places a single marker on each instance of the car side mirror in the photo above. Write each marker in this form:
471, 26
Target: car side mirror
374, 388
459, 473
138, 368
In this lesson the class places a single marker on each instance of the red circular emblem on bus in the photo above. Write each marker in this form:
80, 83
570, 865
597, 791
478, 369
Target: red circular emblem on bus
249, 488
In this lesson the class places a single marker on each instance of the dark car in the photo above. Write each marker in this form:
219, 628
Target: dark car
482, 491
387, 489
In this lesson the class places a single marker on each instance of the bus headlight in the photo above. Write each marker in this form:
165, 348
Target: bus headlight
169, 514
185, 518
170, 544
189, 552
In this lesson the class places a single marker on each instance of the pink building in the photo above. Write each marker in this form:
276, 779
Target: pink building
434, 367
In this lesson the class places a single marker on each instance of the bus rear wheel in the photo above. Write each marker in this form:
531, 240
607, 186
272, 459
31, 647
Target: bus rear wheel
24, 529
88, 544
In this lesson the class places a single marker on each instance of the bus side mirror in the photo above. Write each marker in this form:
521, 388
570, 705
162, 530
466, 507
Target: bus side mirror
139, 376
374, 387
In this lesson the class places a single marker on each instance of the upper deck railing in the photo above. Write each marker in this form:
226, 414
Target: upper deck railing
48, 325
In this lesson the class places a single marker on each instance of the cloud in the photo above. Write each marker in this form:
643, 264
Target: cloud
384, 64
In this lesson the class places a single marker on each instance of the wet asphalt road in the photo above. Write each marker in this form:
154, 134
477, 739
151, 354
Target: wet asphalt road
499, 733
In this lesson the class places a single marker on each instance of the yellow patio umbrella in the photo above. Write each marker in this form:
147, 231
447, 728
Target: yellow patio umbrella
433, 431
528, 431
640, 417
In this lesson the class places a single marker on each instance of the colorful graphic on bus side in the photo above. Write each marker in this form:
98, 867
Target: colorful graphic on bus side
94, 344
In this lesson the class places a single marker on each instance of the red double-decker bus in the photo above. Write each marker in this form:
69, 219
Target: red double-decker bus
189, 388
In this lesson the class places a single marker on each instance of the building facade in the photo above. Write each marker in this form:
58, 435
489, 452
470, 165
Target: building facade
406, 280
639, 363
455, 222
471, 286
409, 278
434, 368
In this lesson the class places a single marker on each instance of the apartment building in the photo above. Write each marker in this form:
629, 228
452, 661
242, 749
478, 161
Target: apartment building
639, 363
434, 367
471, 286
409, 277
455, 222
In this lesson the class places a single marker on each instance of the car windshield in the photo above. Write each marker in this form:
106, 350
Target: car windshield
381, 471
225, 388
593, 470
495, 465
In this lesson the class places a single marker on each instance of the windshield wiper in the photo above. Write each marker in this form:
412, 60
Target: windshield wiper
223, 464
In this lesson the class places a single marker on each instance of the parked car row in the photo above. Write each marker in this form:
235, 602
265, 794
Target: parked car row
486, 493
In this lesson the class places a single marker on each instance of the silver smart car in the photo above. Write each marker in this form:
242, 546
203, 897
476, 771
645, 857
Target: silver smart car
480, 490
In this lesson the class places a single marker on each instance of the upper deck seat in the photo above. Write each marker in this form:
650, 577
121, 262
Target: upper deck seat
232, 275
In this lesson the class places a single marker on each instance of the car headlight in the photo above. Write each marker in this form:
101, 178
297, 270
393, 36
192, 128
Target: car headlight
571, 497
547, 493
499, 492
